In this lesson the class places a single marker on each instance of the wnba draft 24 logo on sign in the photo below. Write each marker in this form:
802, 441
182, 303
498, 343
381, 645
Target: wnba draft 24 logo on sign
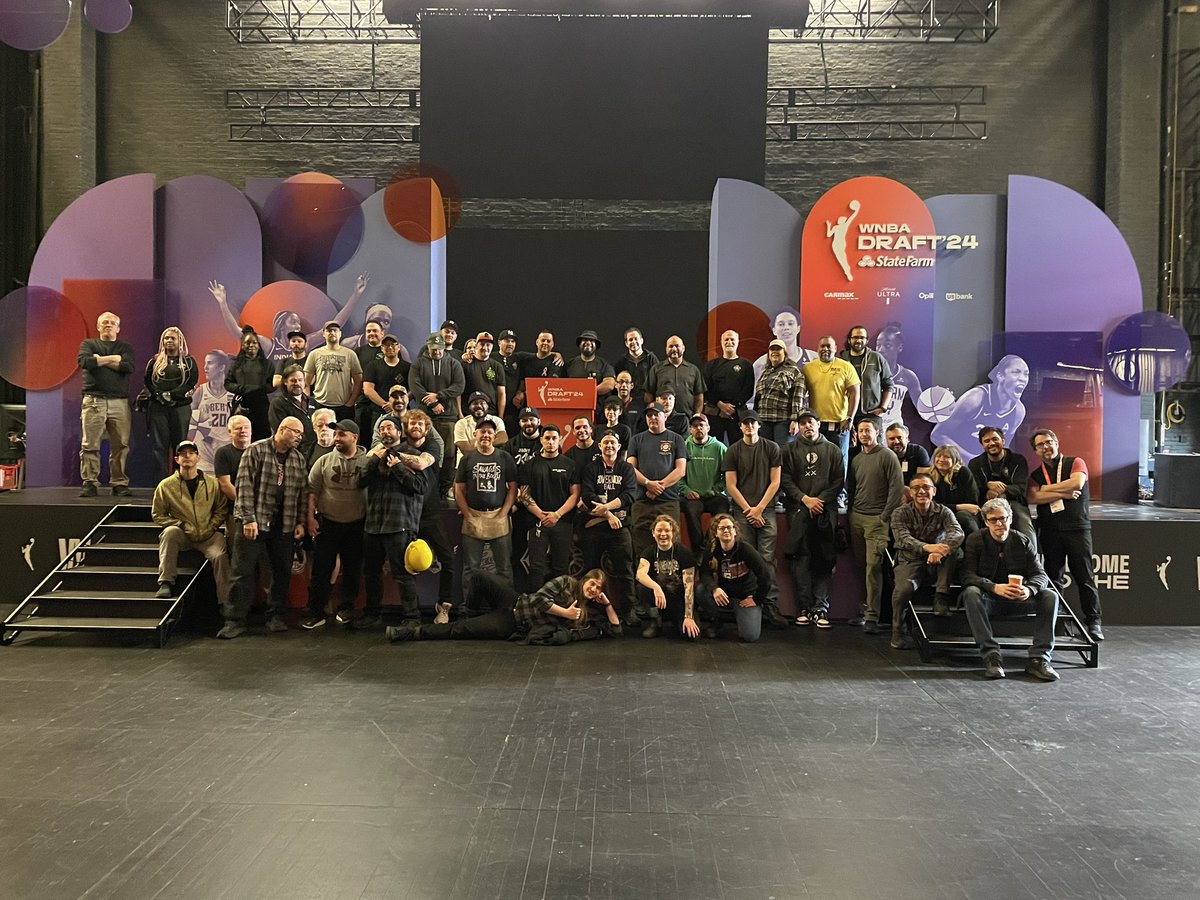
892, 237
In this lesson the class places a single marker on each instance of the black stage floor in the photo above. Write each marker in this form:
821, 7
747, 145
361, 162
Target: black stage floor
815, 764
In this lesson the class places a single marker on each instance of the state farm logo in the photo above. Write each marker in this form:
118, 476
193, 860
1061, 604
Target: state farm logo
564, 395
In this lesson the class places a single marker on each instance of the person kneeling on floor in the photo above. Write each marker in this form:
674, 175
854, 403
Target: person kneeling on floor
1002, 576
733, 573
561, 611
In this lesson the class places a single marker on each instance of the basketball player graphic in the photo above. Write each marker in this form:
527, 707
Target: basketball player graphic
209, 427
838, 234
997, 404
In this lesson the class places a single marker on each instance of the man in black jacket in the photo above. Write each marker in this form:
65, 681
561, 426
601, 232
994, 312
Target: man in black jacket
1000, 472
1002, 575
812, 477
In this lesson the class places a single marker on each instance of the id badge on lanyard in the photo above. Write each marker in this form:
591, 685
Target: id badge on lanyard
1058, 505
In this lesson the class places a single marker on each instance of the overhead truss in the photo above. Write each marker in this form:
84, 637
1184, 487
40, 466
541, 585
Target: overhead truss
831, 21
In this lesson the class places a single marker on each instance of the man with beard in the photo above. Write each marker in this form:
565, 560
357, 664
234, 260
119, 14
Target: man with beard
397, 404
522, 448
485, 490
485, 375
334, 373
297, 354
730, 383
927, 538
395, 495
271, 506
292, 401
549, 492
1059, 487
337, 511
874, 374
674, 420
914, 459
812, 477
369, 350
632, 409
588, 365
379, 377
833, 389
997, 404
636, 361
703, 483
508, 356
478, 410
191, 509
607, 490
683, 377
545, 363
1000, 472
436, 382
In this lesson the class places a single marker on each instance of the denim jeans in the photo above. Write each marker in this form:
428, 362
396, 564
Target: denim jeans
981, 607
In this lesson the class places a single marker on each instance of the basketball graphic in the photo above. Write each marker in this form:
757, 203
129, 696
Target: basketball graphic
935, 404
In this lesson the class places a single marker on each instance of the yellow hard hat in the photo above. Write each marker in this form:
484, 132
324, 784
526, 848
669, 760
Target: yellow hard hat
418, 557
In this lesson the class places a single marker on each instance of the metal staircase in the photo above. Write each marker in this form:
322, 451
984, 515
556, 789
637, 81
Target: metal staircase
107, 583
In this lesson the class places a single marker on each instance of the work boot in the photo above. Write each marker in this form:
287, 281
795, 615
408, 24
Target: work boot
991, 666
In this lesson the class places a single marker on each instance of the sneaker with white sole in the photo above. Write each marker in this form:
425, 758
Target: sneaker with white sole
442, 617
822, 620
804, 618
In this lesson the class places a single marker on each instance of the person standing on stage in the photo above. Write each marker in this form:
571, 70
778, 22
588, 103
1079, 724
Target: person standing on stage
107, 364
683, 377
703, 483
779, 396
1059, 488
608, 486
549, 492
170, 378
833, 390
875, 489
292, 401
588, 365
298, 347
271, 506
730, 383
874, 374
914, 459
637, 361
249, 379
436, 382
1000, 472
191, 510
753, 471
369, 350
485, 490
485, 375
337, 512
334, 373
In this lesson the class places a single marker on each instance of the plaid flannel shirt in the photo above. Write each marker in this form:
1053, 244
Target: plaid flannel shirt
780, 393
258, 475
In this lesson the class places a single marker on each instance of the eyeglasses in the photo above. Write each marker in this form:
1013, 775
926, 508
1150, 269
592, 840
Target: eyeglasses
996, 520
298, 430
923, 488
1041, 445
726, 528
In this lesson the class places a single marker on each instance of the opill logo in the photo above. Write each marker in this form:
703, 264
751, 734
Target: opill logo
1162, 572
926, 295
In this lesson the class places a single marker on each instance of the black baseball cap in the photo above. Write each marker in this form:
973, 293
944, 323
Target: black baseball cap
528, 413
299, 334
347, 425
508, 334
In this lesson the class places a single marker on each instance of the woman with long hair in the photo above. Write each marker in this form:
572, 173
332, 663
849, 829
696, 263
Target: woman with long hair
734, 575
170, 379
956, 487
249, 380
666, 581
557, 613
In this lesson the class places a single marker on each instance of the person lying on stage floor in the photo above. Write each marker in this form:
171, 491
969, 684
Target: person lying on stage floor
1001, 575
564, 609
666, 581
733, 574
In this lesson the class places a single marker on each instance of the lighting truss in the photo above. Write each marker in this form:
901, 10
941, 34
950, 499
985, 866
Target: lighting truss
265, 99
313, 21
326, 132
892, 130
910, 21
810, 113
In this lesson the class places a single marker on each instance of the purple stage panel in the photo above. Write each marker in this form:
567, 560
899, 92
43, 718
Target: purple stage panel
407, 280
107, 235
208, 231
33, 24
1069, 269
753, 247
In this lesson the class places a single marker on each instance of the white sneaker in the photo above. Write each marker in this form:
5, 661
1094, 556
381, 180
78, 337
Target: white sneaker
443, 614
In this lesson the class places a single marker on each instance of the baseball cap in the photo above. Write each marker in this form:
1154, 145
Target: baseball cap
777, 343
807, 414
347, 425
528, 413
698, 417
451, 324
436, 341
397, 389
390, 339
484, 336
656, 407
748, 415
186, 445
485, 423
331, 324
299, 334
666, 391
508, 334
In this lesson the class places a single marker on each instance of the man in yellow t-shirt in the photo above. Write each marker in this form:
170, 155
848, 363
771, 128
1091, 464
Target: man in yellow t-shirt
833, 389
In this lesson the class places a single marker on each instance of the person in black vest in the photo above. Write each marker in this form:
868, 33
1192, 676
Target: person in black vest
1059, 488
1001, 574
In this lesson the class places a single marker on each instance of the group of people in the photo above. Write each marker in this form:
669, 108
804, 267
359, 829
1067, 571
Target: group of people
553, 540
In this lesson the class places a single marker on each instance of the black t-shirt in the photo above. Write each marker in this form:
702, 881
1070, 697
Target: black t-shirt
549, 480
484, 375
385, 377
523, 449
596, 369
226, 462
288, 362
531, 367
485, 478
583, 457
730, 380
192, 485
667, 566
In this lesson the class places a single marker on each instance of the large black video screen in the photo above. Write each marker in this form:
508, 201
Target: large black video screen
593, 108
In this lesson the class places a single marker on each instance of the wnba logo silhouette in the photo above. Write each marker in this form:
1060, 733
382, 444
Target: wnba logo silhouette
542, 394
838, 233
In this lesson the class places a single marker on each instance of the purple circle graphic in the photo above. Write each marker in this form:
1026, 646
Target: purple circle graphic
1147, 352
312, 224
33, 24
109, 16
